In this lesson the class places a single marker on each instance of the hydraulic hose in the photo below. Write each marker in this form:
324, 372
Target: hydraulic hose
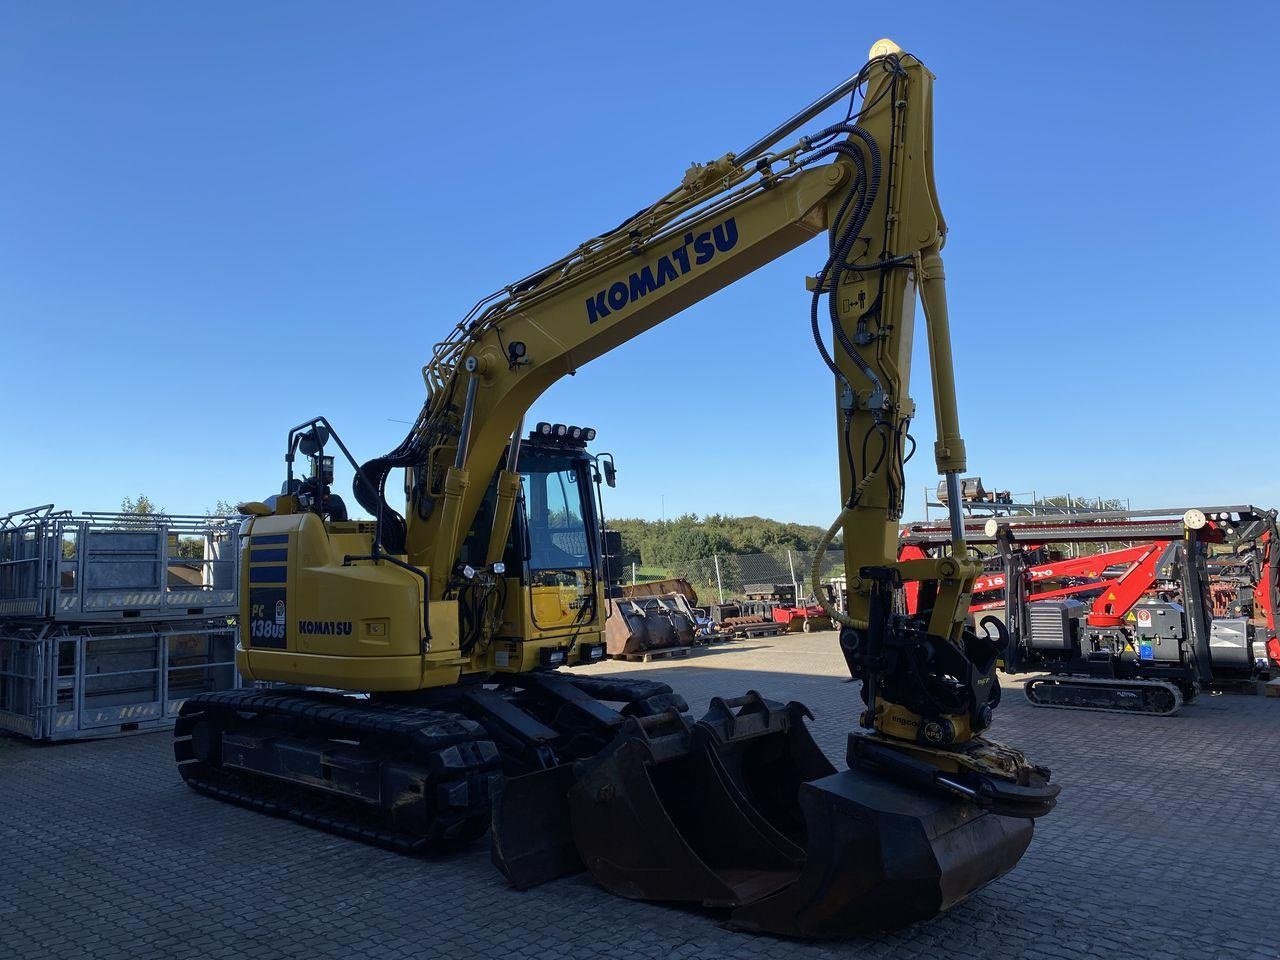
852, 227
815, 573
842, 244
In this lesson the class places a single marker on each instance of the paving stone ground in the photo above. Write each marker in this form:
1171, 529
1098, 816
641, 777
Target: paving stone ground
1162, 846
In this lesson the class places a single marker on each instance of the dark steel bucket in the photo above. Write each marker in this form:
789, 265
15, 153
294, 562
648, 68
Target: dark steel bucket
882, 855
703, 812
742, 810
532, 839
658, 816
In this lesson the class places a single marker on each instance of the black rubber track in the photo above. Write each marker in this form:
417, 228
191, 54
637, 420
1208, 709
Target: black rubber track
455, 753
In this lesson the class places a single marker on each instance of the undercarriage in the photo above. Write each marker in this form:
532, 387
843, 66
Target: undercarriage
738, 811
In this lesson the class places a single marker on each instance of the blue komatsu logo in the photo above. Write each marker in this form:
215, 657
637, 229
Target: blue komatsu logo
671, 266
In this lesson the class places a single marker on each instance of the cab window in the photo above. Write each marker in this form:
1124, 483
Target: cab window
558, 538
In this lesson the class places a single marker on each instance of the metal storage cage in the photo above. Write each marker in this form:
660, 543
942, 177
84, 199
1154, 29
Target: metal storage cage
67, 682
65, 566
109, 621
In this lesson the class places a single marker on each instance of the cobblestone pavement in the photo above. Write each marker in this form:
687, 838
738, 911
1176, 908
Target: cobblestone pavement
1161, 846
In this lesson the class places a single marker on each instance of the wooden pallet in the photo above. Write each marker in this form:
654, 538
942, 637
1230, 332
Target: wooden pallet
752, 631
663, 653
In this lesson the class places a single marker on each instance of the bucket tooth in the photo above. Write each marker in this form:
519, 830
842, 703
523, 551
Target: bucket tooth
881, 855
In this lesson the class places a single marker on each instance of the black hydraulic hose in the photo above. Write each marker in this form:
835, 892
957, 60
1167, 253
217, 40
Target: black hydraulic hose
747, 154
843, 241
840, 249
892, 61
848, 451
849, 236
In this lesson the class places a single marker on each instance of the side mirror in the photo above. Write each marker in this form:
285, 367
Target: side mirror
610, 473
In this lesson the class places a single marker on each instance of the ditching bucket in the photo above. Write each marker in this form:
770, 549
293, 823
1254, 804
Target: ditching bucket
742, 810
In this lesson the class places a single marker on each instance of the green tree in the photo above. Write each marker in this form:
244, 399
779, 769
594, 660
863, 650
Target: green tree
142, 507
143, 511
664, 543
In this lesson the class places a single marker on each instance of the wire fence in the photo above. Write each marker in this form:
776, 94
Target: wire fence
725, 576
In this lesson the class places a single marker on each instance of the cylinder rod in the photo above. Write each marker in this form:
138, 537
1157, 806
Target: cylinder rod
953, 509
467, 411
796, 122
513, 451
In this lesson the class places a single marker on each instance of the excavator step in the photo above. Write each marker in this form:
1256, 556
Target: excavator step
1157, 698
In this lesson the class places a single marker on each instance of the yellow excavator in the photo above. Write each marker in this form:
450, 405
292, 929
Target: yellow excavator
416, 683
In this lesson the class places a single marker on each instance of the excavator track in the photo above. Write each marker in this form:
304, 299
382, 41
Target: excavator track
407, 778
1157, 698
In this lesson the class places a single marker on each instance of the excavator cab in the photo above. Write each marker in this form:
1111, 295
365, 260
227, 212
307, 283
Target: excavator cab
559, 529
553, 559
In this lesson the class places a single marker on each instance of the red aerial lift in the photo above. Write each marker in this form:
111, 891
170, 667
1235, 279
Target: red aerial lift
1119, 577
1127, 629
1128, 573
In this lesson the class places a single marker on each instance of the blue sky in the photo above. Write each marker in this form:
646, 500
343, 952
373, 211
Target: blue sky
217, 220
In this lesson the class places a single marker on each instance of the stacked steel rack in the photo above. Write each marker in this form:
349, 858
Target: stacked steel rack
109, 621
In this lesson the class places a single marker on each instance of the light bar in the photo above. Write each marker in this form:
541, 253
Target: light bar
567, 432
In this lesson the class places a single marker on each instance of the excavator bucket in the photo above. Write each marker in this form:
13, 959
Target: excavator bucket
658, 814
882, 855
742, 810
532, 841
